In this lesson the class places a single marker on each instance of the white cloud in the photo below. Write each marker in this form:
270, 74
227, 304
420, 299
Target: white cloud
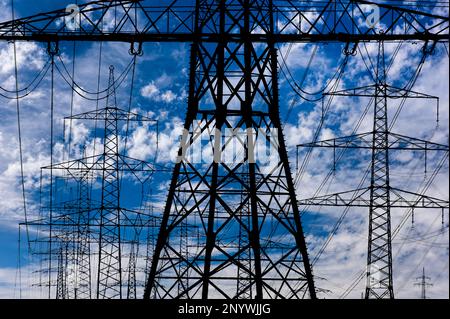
153, 92
162, 90
143, 142
150, 91
345, 257
168, 96
29, 54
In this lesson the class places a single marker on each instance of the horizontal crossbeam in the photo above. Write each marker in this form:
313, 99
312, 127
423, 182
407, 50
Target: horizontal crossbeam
106, 114
392, 92
174, 21
361, 198
365, 141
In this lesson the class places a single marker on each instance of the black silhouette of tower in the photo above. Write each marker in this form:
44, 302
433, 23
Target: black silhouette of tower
83, 270
244, 279
131, 291
233, 86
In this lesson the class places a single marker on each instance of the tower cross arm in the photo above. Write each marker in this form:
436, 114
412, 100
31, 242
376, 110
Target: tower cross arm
95, 163
392, 92
364, 141
173, 21
103, 114
361, 198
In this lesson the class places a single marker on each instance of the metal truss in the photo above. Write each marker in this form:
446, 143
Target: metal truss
106, 218
64, 253
392, 92
365, 141
233, 85
361, 198
241, 82
245, 258
71, 244
175, 21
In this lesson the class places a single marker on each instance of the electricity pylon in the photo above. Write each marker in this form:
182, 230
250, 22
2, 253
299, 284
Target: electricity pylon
106, 218
380, 196
233, 88
233, 85
422, 281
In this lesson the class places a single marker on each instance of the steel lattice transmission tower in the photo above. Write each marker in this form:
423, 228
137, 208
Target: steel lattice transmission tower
83, 222
110, 257
423, 283
84, 289
379, 256
233, 86
380, 197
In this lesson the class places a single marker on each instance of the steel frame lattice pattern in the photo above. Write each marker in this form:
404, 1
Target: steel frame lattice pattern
241, 80
250, 240
379, 197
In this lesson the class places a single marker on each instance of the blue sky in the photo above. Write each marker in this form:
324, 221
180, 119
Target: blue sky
160, 93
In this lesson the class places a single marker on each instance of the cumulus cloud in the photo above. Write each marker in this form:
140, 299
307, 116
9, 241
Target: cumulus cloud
152, 92
344, 259
162, 90
29, 54
143, 142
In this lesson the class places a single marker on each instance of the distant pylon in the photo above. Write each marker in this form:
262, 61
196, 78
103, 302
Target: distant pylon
82, 222
380, 196
244, 277
422, 282
110, 255
83, 270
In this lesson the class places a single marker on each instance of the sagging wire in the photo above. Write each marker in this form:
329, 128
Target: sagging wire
408, 86
135, 53
284, 58
52, 50
117, 83
72, 97
98, 90
31, 87
19, 129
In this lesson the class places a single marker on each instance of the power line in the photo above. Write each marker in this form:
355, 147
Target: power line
19, 130
353, 285
340, 220
29, 88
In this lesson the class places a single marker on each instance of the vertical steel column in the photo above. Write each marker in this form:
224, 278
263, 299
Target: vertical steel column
247, 111
84, 251
192, 109
220, 115
131, 291
244, 279
232, 87
274, 111
379, 257
109, 282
